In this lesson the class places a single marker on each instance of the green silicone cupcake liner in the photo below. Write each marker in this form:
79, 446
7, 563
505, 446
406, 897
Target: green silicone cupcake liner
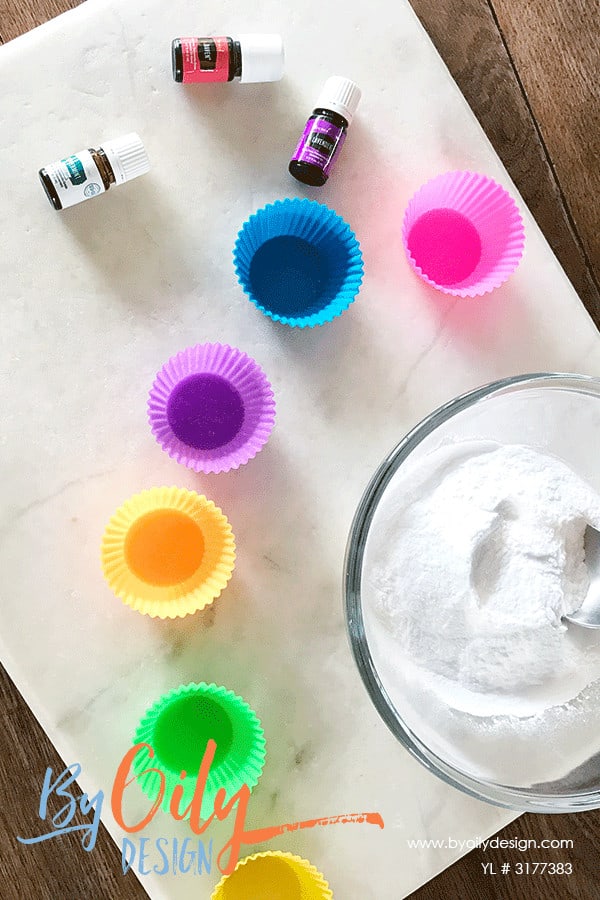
178, 727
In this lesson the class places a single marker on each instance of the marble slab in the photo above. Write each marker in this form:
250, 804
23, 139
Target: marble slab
96, 298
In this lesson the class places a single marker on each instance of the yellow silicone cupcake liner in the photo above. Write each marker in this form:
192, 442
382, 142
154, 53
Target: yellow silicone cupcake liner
273, 876
168, 552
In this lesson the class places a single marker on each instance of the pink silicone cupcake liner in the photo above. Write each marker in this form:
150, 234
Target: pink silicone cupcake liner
463, 234
211, 408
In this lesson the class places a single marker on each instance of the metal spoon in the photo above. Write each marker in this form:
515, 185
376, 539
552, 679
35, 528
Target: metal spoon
588, 613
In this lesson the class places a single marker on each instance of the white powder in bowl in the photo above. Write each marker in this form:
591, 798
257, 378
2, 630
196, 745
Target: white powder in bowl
477, 555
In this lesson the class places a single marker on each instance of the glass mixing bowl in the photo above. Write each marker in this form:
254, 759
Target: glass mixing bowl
557, 414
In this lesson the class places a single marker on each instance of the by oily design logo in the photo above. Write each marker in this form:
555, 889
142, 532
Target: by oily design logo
194, 854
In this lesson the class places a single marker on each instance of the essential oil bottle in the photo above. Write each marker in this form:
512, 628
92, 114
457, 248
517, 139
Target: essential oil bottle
249, 57
325, 131
90, 172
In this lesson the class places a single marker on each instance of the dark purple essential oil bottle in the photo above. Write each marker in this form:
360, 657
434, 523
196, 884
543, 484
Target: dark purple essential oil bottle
325, 131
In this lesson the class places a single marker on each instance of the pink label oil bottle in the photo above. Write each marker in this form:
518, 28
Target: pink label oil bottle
249, 58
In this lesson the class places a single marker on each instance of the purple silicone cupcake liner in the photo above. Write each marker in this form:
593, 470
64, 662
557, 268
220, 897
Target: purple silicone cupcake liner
211, 408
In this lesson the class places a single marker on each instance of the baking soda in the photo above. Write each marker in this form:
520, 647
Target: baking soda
477, 556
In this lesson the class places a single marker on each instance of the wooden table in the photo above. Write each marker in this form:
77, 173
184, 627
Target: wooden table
530, 73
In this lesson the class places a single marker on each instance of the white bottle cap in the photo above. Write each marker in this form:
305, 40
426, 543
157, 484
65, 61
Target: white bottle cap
127, 157
262, 57
340, 95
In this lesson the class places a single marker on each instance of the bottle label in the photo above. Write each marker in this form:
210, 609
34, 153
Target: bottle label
75, 178
205, 59
320, 144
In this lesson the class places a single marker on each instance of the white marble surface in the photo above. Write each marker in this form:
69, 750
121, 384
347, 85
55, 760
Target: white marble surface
96, 298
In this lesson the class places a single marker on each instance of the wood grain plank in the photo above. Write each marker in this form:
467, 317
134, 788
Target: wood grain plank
19, 16
555, 46
468, 38
60, 867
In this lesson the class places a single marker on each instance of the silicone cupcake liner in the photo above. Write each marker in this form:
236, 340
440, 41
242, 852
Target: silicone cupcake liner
168, 552
211, 408
276, 875
178, 727
298, 262
463, 234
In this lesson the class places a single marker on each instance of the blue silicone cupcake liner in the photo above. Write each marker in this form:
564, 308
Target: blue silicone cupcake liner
299, 262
